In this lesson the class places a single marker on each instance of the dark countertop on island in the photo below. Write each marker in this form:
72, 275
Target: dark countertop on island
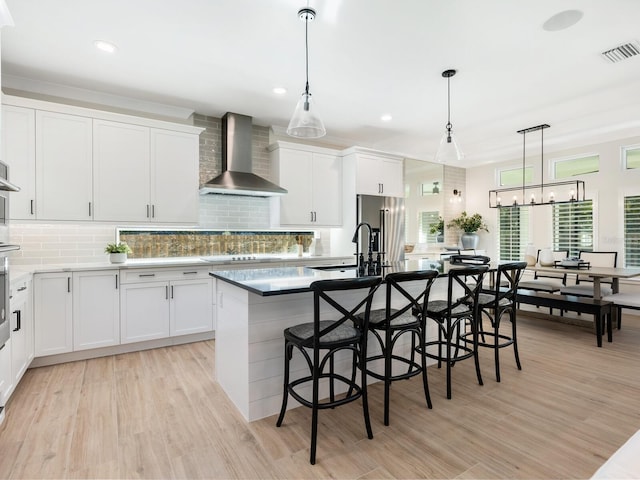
286, 280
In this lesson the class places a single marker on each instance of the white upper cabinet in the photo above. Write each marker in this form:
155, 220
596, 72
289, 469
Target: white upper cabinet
373, 172
121, 166
19, 152
74, 163
313, 178
174, 176
63, 167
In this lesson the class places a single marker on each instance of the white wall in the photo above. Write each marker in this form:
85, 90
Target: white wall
606, 188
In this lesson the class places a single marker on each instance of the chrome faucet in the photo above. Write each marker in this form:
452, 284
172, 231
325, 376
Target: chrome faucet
368, 266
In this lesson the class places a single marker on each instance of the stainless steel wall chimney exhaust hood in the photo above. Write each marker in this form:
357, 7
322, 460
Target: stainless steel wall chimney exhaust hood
236, 177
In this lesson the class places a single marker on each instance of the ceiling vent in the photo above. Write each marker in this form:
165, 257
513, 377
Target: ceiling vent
622, 52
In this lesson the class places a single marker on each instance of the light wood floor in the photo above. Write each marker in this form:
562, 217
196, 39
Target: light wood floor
160, 414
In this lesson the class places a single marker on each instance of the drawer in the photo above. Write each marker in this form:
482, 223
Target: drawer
137, 275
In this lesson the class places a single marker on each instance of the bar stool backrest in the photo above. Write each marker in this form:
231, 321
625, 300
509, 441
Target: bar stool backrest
458, 279
469, 259
417, 303
508, 278
324, 291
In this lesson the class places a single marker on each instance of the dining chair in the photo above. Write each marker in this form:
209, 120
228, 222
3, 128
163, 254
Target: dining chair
584, 285
494, 306
336, 328
556, 280
460, 308
403, 315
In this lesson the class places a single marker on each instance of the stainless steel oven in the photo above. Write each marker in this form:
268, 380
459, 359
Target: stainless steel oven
5, 248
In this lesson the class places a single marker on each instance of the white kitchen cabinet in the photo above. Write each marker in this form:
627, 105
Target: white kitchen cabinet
144, 311
174, 176
375, 173
158, 303
19, 152
74, 163
144, 174
6, 377
96, 309
191, 306
313, 178
121, 166
53, 310
64, 178
21, 323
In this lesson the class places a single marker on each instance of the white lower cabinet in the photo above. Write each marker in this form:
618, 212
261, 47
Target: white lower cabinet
52, 309
6, 378
165, 302
144, 311
96, 309
22, 347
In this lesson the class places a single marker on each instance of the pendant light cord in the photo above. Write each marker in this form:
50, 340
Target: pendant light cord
306, 49
449, 103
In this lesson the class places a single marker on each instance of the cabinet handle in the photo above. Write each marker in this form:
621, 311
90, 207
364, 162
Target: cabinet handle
153, 211
311, 216
166, 293
147, 211
22, 289
146, 274
382, 188
68, 284
31, 207
171, 291
116, 281
89, 208
18, 320
315, 216
189, 273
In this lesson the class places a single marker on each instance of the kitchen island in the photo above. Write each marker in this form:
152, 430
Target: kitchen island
254, 306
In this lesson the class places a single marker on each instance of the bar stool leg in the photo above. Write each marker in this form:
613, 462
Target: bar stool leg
288, 352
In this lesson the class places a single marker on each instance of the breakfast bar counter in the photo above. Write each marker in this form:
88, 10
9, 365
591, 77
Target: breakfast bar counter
253, 308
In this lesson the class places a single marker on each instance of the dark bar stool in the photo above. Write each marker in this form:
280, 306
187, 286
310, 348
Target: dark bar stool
461, 305
496, 304
348, 332
389, 324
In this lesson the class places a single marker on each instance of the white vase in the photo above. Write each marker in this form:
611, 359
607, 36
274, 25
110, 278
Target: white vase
530, 255
546, 257
469, 241
118, 257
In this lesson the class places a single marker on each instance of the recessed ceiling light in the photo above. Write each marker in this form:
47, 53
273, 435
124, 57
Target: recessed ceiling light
386, 117
105, 46
562, 20
279, 90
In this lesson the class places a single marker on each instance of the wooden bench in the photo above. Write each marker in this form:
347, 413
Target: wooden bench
600, 309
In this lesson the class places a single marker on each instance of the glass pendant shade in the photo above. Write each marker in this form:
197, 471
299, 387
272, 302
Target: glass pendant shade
449, 150
305, 122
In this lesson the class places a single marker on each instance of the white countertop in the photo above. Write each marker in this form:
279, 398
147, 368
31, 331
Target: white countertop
21, 272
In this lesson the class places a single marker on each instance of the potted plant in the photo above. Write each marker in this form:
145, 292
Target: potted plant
438, 229
470, 225
117, 252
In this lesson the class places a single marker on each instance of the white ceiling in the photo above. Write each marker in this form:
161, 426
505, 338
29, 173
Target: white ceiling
367, 58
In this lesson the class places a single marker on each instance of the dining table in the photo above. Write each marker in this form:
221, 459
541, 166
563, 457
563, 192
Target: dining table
596, 274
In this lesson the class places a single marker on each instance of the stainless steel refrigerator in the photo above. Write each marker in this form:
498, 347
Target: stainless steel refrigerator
386, 217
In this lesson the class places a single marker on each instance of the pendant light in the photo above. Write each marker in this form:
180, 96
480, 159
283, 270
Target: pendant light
305, 122
552, 193
449, 150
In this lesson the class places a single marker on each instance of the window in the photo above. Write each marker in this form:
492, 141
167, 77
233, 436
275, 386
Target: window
513, 176
572, 167
573, 227
632, 231
425, 221
632, 157
514, 232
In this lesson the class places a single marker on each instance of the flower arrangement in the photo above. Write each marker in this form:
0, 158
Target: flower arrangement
120, 247
468, 223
